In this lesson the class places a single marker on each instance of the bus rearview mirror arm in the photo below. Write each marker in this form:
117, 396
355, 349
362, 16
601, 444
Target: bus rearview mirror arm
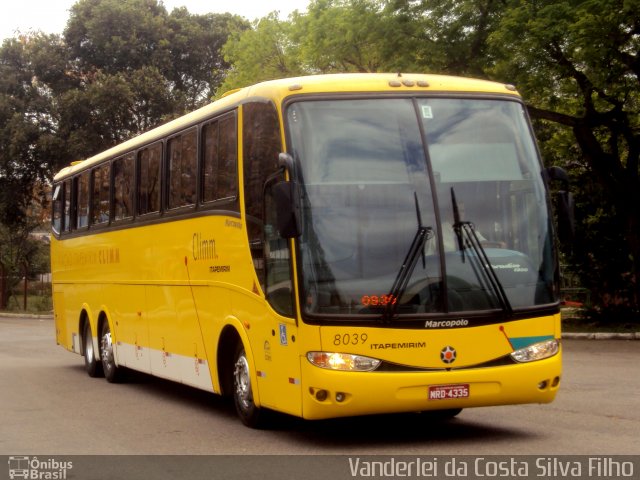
286, 161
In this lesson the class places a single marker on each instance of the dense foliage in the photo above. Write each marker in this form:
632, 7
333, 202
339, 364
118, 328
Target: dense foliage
124, 66
121, 67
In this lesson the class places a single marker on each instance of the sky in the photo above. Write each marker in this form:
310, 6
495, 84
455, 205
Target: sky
50, 16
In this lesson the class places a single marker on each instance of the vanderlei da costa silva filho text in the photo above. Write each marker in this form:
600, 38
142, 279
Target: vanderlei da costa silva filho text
544, 467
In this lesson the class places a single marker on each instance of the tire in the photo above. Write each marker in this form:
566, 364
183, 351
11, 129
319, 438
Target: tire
91, 365
112, 372
249, 413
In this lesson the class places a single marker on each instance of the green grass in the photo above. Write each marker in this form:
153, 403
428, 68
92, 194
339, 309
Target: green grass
36, 304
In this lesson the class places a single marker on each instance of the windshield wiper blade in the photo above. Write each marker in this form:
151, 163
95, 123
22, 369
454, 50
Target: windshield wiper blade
423, 234
457, 223
468, 238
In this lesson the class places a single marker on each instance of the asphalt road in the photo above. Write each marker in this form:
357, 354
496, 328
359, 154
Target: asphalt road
48, 405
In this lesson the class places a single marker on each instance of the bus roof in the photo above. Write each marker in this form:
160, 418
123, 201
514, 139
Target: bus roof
278, 90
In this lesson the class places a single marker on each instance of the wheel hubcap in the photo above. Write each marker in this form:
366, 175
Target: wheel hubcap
243, 382
106, 352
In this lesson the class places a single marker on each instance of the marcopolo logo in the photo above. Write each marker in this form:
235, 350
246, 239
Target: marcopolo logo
460, 322
38, 469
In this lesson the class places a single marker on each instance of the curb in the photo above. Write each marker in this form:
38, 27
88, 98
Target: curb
31, 316
601, 336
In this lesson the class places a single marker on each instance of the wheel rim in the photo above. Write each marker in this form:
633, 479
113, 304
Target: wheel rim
243, 382
106, 350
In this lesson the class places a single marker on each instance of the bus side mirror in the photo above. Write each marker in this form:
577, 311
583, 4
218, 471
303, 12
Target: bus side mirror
565, 204
286, 198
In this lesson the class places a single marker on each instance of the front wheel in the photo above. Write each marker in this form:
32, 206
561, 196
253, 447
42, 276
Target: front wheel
249, 413
112, 372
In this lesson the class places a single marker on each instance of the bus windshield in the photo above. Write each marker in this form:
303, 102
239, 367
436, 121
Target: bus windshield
374, 171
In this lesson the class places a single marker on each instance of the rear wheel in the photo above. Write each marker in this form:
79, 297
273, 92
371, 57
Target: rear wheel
112, 372
249, 413
91, 365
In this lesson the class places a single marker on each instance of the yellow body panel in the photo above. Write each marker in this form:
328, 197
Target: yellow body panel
419, 350
170, 288
387, 392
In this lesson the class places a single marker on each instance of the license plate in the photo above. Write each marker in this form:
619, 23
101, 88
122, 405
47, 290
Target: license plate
448, 392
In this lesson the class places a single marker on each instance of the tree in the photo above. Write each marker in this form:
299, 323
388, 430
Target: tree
577, 64
27, 144
447, 36
116, 37
575, 61
263, 52
198, 65
122, 67
438, 36
343, 36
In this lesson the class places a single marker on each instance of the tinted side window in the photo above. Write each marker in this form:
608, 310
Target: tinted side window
182, 168
261, 146
219, 163
58, 205
66, 225
150, 160
123, 169
82, 200
100, 189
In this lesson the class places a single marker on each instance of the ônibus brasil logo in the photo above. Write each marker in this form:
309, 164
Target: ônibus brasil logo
33, 468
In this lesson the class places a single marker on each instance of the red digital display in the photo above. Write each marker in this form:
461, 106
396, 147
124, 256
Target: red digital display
378, 300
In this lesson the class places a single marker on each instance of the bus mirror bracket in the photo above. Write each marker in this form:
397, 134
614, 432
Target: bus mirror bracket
564, 203
286, 161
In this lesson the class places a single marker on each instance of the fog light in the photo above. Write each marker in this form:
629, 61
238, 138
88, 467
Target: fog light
543, 384
340, 397
556, 382
321, 395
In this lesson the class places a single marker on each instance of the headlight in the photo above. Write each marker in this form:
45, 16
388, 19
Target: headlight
343, 361
537, 351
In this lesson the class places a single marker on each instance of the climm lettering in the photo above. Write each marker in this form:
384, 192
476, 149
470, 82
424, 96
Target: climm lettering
203, 248
108, 255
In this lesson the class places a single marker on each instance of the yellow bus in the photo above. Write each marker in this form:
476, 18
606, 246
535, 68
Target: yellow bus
322, 246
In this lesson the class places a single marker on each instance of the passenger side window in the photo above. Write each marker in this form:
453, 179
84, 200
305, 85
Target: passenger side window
149, 161
82, 200
66, 225
219, 163
58, 204
123, 169
182, 168
101, 185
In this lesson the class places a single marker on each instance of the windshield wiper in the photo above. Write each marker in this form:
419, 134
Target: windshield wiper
408, 265
468, 238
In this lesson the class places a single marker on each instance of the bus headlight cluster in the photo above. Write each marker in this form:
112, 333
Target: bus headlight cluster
343, 361
537, 351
